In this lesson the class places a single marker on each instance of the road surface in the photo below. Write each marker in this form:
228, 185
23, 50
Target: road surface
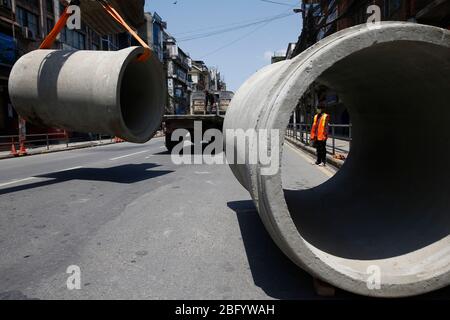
140, 227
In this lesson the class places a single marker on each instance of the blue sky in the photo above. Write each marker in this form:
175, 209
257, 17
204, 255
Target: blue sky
238, 53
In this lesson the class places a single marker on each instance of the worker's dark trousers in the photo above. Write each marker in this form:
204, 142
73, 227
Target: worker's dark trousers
321, 147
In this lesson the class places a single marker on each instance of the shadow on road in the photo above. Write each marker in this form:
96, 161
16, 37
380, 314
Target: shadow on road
124, 174
273, 272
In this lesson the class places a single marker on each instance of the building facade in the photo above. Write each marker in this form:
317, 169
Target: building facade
153, 32
216, 81
184, 76
199, 76
178, 64
322, 18
23, 26
207, 85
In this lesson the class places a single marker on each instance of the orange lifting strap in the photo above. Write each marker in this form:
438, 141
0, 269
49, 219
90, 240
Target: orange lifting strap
51, 37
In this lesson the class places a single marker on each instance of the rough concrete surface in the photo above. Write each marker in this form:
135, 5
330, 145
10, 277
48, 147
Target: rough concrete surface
392, 213
140, 227
105, 92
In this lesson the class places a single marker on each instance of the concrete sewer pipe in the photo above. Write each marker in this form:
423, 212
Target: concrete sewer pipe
90, 91
386, 214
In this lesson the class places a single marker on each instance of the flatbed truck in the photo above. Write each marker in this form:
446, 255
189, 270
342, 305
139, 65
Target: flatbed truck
211, 119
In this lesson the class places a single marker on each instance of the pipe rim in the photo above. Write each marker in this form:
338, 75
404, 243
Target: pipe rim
156, 114
298, 249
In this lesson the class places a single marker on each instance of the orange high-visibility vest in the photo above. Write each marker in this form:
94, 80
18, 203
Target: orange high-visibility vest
319, 129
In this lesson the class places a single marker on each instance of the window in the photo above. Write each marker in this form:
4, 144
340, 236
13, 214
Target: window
31, 3
50, 6
181, 74
95, 41
73, 38
390, 6
50, 25
81, 38
156, 35
360, 15
124, 40
172, 50
28, 19
105, 43
178, 92
5, 3
314, 8
95, 37
8, 52
108, 43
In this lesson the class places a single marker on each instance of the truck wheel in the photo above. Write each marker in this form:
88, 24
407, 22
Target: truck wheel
169, 143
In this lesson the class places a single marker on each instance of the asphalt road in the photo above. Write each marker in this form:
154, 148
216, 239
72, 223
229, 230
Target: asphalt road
140, 227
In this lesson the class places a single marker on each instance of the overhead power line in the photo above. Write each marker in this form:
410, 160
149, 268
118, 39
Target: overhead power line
237, 40
280, 3
229, 29
211, 28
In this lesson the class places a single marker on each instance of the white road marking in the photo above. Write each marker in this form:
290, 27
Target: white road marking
36, 177
128, 155
16, 181
328, 172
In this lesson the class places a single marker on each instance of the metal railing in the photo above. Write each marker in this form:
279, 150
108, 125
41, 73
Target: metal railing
302, 131
47, 140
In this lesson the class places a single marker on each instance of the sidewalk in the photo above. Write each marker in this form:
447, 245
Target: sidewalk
31, 151
59, 148
342, 148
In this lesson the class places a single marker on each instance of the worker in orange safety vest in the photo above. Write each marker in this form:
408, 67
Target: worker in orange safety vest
319, 134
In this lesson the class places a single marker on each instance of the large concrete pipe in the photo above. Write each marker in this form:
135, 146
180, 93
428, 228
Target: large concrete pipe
90, 91
386, 214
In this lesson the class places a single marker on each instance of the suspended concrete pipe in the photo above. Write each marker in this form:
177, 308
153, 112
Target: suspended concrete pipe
386, 214
90, 91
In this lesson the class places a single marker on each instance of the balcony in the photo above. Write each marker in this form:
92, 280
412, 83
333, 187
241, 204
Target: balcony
176, 58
